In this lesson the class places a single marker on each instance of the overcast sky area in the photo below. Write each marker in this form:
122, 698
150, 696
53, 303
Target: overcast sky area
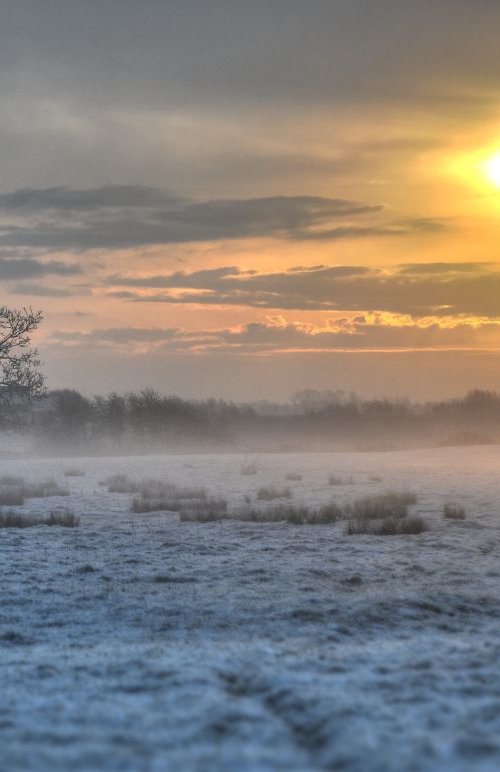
245, 199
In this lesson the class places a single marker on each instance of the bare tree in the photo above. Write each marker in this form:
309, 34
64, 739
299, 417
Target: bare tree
19, 363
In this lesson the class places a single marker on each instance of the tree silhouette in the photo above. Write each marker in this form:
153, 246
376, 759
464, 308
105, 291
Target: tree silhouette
19, 363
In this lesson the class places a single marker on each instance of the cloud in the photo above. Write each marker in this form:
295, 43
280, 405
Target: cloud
30, 268
279, 335
130, 216
420, 290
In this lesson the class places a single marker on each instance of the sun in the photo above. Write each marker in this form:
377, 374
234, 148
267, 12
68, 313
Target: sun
492, 169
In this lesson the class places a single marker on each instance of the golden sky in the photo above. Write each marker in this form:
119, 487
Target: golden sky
246, 199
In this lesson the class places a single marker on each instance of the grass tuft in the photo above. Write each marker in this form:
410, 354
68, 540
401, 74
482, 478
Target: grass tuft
391, 526
61, 516
269, 493
386, 505
454, 511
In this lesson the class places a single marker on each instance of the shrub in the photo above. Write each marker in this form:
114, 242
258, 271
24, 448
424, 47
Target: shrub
269, 493
74, 472
293, 476
454, 511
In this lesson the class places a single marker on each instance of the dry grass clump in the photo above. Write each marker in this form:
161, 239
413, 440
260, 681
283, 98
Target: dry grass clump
74, 472
61, 516
14, 491
390, 526
11, 496
324, 515
249, 467
293, 476
166, 497
454, 511
337, 480
384, 515
387, 505
270, 493
9, 479
204, 511
119, 483
216, 509
44, 489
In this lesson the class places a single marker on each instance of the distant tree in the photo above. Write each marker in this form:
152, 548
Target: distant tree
20, 377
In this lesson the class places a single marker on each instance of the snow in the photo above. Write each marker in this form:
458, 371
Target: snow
137, 642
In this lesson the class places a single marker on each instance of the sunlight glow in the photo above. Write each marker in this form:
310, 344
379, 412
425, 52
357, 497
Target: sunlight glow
492, 168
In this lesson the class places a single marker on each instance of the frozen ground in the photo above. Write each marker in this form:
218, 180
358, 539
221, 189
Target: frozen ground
136, 642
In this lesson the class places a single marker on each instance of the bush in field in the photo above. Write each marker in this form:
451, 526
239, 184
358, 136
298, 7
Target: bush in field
390, 526
386, 505
454, 511
62, 516
293, 476
269, 493
74, 472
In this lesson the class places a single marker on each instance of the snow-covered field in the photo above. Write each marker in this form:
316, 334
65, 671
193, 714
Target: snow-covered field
137, 642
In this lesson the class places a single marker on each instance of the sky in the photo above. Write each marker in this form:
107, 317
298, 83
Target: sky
246, 199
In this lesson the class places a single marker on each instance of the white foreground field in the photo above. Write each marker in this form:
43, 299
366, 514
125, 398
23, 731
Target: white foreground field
137, 642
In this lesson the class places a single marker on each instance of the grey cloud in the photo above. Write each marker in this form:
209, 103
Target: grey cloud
82, 83
116, 335
41, 291
27, 268
62, 199
423, 293
187, 52
130, 216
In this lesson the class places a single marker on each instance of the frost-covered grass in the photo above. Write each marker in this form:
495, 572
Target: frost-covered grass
258, 643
